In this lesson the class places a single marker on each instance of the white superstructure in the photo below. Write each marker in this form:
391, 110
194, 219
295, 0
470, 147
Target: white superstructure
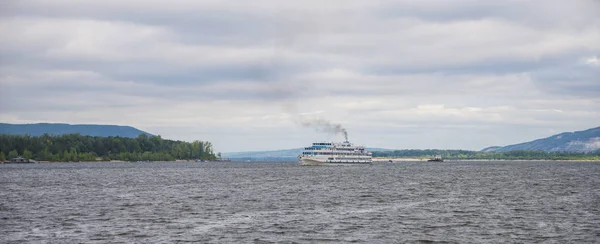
324, 153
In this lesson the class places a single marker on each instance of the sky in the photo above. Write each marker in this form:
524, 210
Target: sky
251, 75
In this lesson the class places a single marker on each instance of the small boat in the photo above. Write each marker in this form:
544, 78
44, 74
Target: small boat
21, 160
437, 158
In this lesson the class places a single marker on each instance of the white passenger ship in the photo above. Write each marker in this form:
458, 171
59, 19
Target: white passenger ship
326, 153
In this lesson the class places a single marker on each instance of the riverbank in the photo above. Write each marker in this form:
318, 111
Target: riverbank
398, 159
481, 160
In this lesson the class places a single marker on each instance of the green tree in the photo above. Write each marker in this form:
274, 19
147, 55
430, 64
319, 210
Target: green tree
45, 155
74, 155
56, 158
12, 154
27, 154
66, 156
75, 147
2, 156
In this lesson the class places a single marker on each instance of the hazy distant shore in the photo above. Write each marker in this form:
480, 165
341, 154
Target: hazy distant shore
479, 160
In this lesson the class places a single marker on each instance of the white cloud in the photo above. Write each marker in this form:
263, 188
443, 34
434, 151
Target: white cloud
593, 61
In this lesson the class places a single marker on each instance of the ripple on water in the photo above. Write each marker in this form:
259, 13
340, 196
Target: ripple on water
455, 202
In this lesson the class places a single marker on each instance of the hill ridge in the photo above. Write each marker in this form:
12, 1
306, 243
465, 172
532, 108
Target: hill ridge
38, 129
577, 141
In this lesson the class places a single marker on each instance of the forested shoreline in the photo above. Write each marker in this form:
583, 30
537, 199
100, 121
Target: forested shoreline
76, 147
510, 155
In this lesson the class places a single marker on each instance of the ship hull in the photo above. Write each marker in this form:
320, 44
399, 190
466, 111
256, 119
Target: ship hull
317, 162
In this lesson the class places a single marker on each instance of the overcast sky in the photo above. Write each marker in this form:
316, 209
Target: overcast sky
461, 74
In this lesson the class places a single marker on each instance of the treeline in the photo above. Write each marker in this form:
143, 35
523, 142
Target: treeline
510, 155
76, 147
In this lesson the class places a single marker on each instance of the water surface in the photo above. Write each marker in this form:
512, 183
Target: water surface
455, 202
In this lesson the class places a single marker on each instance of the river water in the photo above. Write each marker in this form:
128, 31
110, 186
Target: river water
278, 202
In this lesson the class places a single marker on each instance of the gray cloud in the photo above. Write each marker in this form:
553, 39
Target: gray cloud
384, 69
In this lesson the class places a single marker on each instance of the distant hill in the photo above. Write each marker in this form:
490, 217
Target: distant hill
491, 149
579, 141
277, 154
59, 129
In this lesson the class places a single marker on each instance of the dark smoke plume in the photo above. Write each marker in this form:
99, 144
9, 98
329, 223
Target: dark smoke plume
325, 126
